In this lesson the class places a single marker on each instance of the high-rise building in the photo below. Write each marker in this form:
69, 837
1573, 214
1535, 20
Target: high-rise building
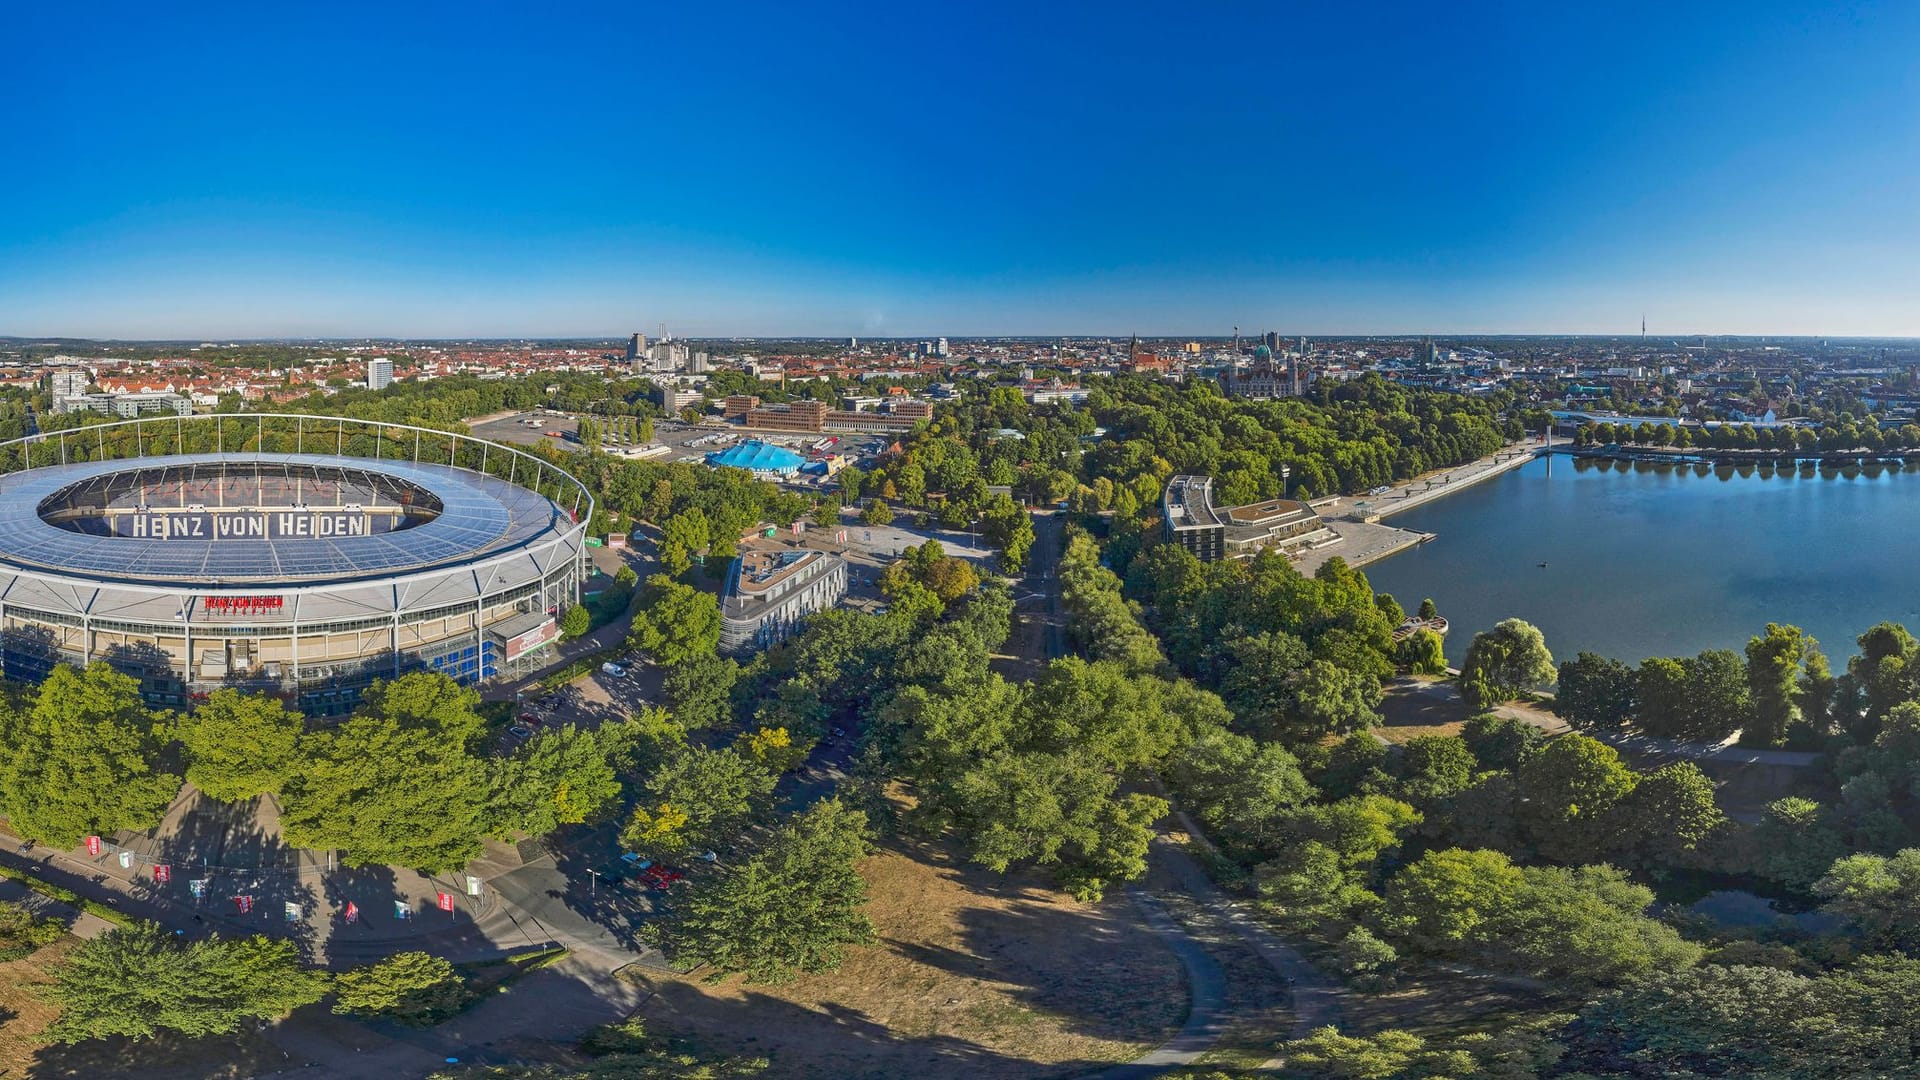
68, 382
1273, 342
940, 347
636, 350
853, 343
379, 373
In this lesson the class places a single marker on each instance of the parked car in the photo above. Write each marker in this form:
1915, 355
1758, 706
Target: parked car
613, 669
519, 732
660, 877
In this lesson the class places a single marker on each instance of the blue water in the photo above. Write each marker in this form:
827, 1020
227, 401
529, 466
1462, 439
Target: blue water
1644, 560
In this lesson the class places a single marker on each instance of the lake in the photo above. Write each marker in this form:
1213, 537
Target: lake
1662, 561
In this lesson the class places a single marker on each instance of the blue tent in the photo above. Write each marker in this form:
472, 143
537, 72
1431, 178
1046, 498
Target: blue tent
759, 457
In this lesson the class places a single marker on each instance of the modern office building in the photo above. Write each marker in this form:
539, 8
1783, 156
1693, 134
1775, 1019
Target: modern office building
1212, 533
293, 555
138, 403
379, 373
770, 593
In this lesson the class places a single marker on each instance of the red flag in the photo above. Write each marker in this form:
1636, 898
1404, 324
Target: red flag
162, 873
93, 845
446, 901
353, 912
245, 902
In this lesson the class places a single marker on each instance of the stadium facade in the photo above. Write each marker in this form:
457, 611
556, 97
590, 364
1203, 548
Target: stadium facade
303, 556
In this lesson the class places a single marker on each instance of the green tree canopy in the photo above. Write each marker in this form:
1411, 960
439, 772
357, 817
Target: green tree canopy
398, 782
412, 987
562, 776
1504, 663
793, 905
140, 980
676, 622
239, 745
81, 760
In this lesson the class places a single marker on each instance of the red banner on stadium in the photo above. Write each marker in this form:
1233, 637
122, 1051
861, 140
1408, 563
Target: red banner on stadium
245, 903
353, 912
93, 845
162, 873
446, 901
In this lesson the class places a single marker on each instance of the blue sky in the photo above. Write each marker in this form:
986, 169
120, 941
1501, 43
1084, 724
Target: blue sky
746, 168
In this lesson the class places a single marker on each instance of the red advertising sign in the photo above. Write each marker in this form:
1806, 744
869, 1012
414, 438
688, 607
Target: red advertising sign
162, 873
242, 605
93, 845
446, 901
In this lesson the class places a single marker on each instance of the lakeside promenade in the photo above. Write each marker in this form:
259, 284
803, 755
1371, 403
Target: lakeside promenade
1356, 519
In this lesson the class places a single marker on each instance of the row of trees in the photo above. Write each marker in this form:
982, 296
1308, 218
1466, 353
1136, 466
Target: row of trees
140, 980
406, 780
1831, 437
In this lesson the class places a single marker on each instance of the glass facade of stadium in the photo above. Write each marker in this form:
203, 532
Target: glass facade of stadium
300, 556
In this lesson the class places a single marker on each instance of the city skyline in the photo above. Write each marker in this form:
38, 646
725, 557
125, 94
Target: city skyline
897, 174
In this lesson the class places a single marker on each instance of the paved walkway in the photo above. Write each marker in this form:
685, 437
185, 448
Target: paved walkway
1441, 482
1207, 989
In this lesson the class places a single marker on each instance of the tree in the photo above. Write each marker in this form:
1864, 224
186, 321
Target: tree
1595, 692
239, 745
676, 622
1504, 663
413, 987
561, 776
1500, 742
1057, 811
793, 905
137, 981
81, 761
575, 622
1439, 903
1774, 664
22, 932
1879, 896
1669, 813
1661, 688
697, 797
1239, 789
1434, 767
699, 691
685, 535
1583, 925
398, 782
1568, 787
877, 513
1422, 653
1331, 700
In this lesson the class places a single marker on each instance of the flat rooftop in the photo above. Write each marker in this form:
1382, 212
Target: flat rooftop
1189, 502
1267, 512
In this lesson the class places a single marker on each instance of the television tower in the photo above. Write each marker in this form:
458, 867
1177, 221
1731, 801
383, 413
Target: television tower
1643, 326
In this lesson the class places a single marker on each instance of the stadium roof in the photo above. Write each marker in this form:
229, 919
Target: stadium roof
758, 457
481, 516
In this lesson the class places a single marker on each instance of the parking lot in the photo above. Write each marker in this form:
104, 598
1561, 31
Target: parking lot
688, 443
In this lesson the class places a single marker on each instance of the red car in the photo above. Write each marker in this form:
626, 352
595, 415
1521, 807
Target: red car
660, 877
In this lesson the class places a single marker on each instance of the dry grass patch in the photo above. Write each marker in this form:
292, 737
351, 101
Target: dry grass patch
975, 974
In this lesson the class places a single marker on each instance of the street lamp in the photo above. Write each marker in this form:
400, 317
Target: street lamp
593, 883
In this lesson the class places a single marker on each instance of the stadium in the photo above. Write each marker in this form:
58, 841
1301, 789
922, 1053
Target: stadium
302, 556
